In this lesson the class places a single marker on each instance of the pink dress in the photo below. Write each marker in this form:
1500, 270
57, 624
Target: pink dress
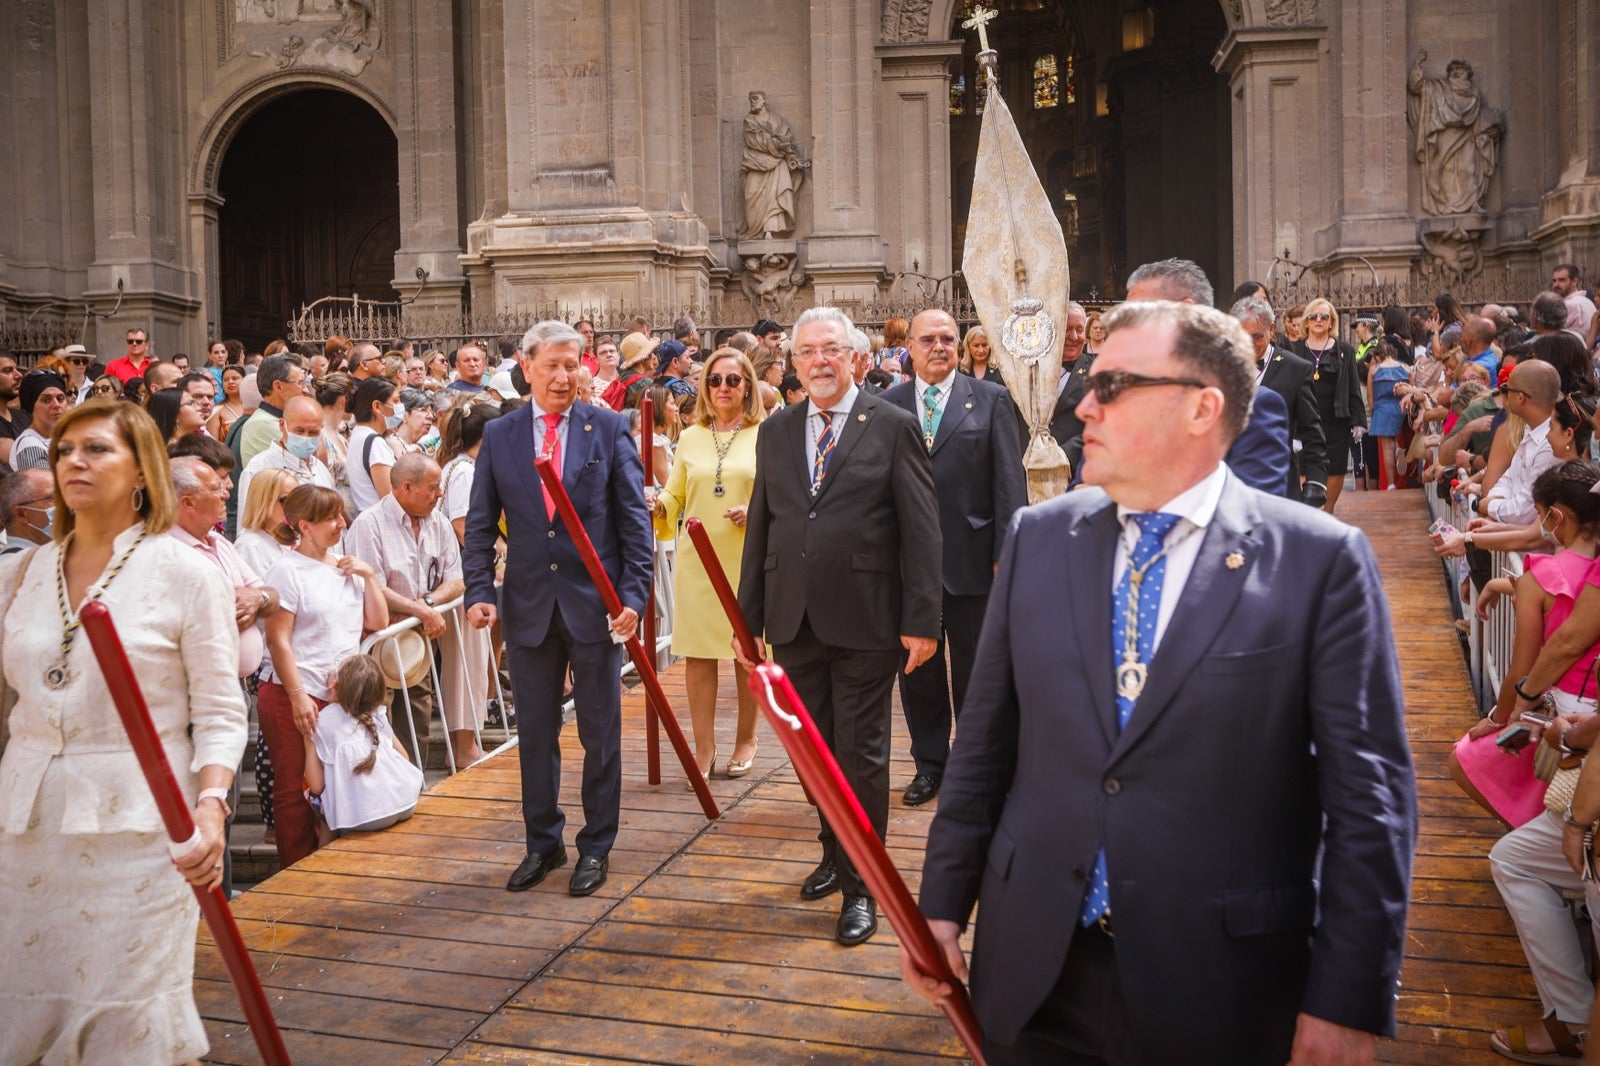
1507, 781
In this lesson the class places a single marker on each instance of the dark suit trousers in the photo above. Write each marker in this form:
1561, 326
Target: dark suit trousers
924, 694
537, 675
1084, 1020
849, 694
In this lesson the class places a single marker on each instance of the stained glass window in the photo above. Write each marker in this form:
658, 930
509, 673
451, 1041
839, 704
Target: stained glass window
1046, 86
982, 86
958, 95
1069, 80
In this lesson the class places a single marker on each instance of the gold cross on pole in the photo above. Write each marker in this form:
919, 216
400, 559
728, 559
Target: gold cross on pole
981, 17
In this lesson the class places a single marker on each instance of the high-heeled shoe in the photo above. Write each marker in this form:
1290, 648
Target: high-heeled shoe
704, 774
740, 769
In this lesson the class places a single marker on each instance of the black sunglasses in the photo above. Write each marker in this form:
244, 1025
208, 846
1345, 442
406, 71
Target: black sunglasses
1109, 384
716, 381
1506, 389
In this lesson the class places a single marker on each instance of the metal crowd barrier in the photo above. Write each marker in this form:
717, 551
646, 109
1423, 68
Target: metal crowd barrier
455, 620
1489, 641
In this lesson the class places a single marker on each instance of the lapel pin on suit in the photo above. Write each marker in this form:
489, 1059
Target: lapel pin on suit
1234, 560
861, 418
969, 405
587, 428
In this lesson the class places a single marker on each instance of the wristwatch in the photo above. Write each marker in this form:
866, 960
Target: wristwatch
1567, 817
1466, 538
428, 600
221, 796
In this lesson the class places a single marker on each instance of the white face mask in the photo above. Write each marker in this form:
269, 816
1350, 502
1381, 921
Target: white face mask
399, 416
1547, 533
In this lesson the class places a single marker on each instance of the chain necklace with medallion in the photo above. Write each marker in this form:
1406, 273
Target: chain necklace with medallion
722, 452
1131, 673
57, 677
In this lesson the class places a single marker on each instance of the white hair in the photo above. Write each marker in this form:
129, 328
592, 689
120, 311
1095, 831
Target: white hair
1254, 307
551, 332
824, 314
186, 473
858, 341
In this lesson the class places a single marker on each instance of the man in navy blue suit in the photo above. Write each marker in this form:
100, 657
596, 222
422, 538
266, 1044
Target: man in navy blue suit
970, 430
553, 614
1181, 795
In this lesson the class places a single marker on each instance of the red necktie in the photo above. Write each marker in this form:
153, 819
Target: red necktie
551, 449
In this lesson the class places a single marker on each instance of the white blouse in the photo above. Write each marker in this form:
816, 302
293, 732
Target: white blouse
174, 613
328, 614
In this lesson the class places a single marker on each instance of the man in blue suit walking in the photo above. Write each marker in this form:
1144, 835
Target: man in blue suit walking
553, 614
1185, 701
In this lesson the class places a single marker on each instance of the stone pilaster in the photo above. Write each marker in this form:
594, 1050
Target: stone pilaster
914, 154
1569, 222
845, 249
429, 201
1279, 143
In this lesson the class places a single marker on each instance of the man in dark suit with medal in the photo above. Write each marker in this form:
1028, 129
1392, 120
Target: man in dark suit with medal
1290, 376
970, 430
841, 574
553, 613
1184, 801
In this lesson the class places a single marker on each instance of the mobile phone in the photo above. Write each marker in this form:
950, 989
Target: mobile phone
1514, 737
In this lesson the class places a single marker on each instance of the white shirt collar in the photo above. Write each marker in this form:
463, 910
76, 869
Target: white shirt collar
1196, 504
843, 407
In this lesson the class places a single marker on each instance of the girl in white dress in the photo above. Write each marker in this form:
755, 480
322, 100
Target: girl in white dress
354, 762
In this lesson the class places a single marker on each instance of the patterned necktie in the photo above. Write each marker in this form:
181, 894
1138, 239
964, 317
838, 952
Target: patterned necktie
825, 440
552, 449
930, 417
1153, 529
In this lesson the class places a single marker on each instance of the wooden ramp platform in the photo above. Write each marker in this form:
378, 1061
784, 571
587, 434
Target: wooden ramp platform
402, 947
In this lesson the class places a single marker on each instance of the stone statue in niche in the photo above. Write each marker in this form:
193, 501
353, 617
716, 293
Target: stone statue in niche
770, 172
337, 34
1457, 137
771, 282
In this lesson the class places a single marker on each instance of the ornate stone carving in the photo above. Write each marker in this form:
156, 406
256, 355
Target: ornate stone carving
771, 282
1235, 12
1292, 12
1451, 257
338, 34
1457, 137
905, 20
770, 172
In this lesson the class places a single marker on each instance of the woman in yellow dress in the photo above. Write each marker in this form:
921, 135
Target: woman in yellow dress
713, 475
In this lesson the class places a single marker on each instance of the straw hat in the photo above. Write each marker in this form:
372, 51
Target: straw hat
636, 348
403, 660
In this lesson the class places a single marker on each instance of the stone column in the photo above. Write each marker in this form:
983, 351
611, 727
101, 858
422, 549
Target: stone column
845, 253
203, 248
430, 209
1280, 144
136, 134
1569, 224
1368, 159
914, 150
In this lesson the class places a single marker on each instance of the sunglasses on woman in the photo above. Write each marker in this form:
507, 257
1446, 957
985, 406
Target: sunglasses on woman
716, 381
1109, 384
1320, 316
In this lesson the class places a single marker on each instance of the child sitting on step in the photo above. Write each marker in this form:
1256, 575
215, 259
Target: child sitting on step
354, 762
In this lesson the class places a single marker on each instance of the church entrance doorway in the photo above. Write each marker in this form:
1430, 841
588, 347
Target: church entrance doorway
311, 208
1126, 122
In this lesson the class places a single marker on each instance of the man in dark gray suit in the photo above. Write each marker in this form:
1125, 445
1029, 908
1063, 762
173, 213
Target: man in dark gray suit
1185, 698
1290, 376
841, 573
970, 430
1065, 425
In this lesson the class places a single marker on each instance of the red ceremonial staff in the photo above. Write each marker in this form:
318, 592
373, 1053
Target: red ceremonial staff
146, 743
642, 662
826, 787
652, 720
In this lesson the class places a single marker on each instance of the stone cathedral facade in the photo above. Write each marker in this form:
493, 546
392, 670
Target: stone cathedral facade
207, 167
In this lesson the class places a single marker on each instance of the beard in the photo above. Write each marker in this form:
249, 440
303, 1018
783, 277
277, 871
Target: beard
824, 387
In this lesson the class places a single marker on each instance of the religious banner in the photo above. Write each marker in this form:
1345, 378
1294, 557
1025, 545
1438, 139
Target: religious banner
1015, 266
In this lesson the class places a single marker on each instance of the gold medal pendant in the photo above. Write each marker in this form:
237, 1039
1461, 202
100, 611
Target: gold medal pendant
1130, 679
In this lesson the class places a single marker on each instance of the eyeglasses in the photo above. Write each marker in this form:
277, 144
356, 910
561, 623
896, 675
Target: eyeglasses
1506, 389
135, 343
79, 361
716, 381
1109, 384
1320, 316
832, 351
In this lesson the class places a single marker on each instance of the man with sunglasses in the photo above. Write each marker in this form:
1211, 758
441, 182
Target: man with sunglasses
1531, 393
1164, 742
132, 365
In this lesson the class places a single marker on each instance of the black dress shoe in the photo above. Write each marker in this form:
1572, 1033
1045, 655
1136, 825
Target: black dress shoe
858, 920
824, 881
923, 788
532, 870
588, 875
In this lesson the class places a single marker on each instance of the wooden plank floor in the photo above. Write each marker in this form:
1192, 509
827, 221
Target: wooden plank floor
402, 947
